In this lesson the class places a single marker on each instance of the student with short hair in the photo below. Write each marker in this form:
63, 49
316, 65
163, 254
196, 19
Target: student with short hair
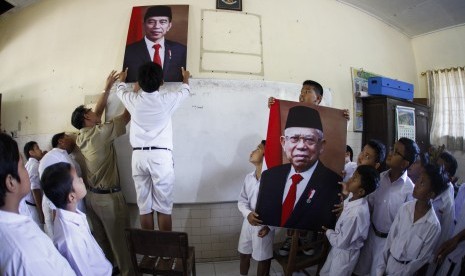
373, 154
351, 228
72, 236
33, 200
395, 188
415, 229
24, 249
256, 240
151, 138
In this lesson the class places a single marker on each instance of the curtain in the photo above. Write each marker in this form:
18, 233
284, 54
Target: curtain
446, 91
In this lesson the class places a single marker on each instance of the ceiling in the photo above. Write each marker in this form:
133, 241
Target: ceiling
411, 17
414, 17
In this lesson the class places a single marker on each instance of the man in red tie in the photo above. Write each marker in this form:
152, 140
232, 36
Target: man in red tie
170, 55
301, 194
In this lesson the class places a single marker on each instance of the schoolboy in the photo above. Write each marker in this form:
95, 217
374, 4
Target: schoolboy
349, 165
256, 240
25, 249
72, 236
373, 154
351, 229
415, 229
33, 200
395, 188
151, 138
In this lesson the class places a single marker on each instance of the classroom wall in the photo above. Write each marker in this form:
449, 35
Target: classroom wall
439, 50
56, 52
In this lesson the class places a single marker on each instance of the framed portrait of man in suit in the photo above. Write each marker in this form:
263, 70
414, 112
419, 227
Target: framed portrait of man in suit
304, 155
157, 34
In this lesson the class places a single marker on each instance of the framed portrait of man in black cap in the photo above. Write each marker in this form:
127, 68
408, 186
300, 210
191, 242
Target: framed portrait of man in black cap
158, 34
301, 185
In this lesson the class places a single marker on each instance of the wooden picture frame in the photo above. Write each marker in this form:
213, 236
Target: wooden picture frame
233, 5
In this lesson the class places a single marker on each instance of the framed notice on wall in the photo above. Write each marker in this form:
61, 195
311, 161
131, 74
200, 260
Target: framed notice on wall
235, 5
405, 122
359, 89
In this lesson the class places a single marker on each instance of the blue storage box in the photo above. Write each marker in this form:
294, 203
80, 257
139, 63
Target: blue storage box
389, 87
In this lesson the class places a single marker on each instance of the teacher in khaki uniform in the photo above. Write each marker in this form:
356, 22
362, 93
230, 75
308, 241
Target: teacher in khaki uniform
106, 206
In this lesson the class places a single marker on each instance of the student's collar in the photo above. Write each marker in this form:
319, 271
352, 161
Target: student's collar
354, 203
74, 217
10, 217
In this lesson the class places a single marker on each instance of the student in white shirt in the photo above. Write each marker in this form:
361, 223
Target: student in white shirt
395, 188
24, 249
72, 236
151, 137
351, 228
256, 240
33, 200
349, 166
416, 229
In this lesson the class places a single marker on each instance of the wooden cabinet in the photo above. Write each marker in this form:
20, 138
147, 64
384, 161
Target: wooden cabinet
379, 121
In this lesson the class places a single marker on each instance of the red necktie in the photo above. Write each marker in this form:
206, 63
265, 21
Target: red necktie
288, 204
156, 56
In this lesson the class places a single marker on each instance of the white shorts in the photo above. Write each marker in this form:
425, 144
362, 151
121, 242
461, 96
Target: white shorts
250, 243
153, 174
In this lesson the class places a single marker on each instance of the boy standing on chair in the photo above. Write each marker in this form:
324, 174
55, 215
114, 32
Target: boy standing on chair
255, 240
151, 137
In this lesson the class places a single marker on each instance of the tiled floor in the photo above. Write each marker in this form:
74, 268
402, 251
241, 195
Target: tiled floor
231, 268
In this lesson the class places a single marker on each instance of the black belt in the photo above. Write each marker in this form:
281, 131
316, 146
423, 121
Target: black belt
150, 148
378, 233
104, 191
30, 203
400, 262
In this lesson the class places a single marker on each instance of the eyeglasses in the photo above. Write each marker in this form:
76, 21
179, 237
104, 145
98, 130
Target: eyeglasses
308, 140
394, 151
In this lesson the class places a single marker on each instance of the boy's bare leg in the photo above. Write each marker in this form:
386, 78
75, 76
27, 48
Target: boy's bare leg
244, 263
146, 221
164, 222
263, 268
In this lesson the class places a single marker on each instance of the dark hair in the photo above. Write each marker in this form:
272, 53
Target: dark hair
77, 118
9, 158
318, 88
28, 147
438, 177
379, 148
424, 158
411, 150
351, 152
57, 183
57, 138
263, 142
369, 178
450, 163
150, 77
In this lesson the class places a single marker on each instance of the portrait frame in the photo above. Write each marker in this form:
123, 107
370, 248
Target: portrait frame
232, 5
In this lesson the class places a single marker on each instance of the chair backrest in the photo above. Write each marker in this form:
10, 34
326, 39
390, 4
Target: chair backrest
157, 243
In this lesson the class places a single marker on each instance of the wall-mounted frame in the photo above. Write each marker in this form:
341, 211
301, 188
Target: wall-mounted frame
233, 5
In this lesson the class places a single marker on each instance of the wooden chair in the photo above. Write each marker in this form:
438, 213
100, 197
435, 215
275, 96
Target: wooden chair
297, 261
163, 253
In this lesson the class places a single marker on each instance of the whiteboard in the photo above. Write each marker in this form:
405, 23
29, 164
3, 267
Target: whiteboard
214, 132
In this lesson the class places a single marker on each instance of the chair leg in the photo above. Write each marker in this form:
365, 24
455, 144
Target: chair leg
193, 264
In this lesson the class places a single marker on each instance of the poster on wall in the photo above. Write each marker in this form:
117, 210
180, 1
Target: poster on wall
157, 34
360, 89
405, 121
304, 143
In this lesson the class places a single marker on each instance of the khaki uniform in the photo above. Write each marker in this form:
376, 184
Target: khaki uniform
108, 213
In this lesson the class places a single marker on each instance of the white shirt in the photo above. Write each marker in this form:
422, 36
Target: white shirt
352, 227
52, 157
302, 184
459, 200
248, 197
26, 250
443, 205
72, 237
151, 115
457, 255
32, 167
385, 201
409, 241
151, 50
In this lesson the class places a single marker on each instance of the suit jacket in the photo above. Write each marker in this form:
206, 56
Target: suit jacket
306, 215
137, 54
